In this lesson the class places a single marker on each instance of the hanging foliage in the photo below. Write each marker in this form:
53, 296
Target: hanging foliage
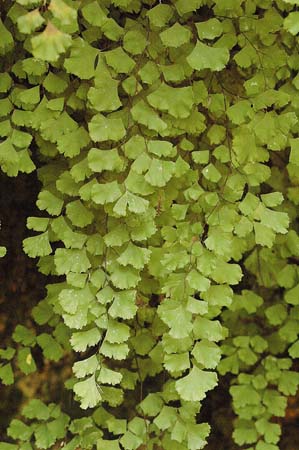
166, 139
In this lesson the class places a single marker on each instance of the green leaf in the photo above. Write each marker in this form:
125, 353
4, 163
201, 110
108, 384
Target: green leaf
81, 50
160, 15
134, 41
100, 160
86, 366
207, 353
175, 36
209, 29
276, 314
108, 376
51, 348
46, 434
105, 128
134, 256
176, 101
49, 202
94, 14
291, 23
37, 223
207, 329
198, 281
23, 335
117, 332
132, 202
119, 60
25, 361
36, 409
54, 83
79, 215
292, 296
18, 430
124, 305
89, 392
176, 317
197, 435
70, 144
207, 57
6, 43
226, 273
50, 44
264, 235
37, 245
115, 351
160, 172
176, 362
30, 21
145, 115
275, 403
193, 387
6, 374
80, 340
7, 353
288, 383
161, 148
97, 95
69, 260
64, 14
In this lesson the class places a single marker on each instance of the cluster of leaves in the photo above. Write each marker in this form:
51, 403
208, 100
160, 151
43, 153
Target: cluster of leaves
167, 136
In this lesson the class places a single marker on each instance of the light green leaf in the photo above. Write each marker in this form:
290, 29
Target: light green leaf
79, 215
89, 392
37, 245
160, 172
207, 353
135, 256
176, 362
124, 305
178, 319
80, 340
175, 36
209, 29
50, 44
49, 202
108, 376
117, 332
207, 57
145, 115
119, 60
193, 387
208, 329
100, 160
103, 128
81, 50
71, 260
86, 366
30, 21
198, 281
97, 95
291, 23
134, 203
176, 101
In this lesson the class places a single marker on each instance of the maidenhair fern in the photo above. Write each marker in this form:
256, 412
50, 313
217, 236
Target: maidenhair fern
166, 139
